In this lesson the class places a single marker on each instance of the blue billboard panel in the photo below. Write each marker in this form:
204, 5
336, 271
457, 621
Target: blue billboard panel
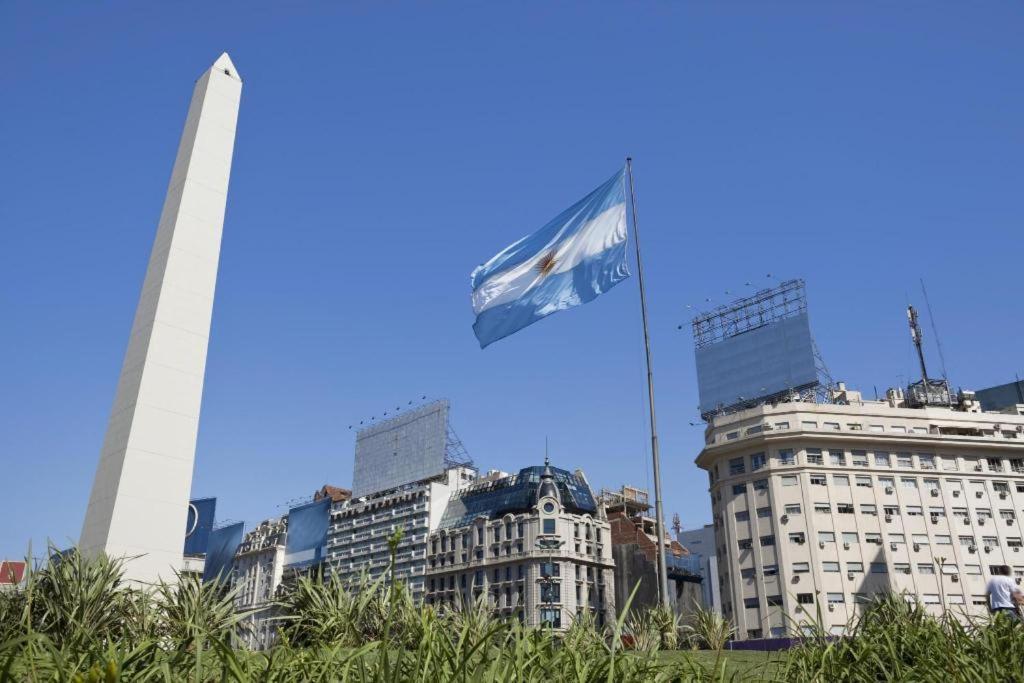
221, 551
758, 363
307, 532
199, 525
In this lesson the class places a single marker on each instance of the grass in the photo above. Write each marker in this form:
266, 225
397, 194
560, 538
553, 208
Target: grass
77, 621
740, 665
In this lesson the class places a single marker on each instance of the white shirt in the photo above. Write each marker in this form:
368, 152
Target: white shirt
1001, 590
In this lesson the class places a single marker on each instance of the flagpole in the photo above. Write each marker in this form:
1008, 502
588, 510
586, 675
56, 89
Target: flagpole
663, 594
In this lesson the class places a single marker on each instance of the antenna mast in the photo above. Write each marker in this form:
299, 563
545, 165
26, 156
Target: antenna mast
915, 336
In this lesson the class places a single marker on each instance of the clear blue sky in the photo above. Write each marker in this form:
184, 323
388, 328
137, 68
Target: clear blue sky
384, 150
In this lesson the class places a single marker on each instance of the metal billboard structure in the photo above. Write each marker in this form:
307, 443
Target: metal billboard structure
413, 447
756, 349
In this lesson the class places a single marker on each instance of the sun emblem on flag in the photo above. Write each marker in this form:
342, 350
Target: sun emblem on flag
547, 263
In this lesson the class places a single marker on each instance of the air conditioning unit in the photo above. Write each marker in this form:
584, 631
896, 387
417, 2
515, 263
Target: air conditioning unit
917, 547
955, 578
784, 519
935, 493
935, 519
846, 546
907, 570
977, 468
1016, 548
821, 544
889, 489
831, 607
979, 494
1002, 494
801, 540
981, 521
849, 575
972, 549
892, 546
956, 494
1009, 522
888, 518
988, 549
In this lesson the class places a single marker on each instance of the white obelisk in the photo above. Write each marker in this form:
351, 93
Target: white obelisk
139, 501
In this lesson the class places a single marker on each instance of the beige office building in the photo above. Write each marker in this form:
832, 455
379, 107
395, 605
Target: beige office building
824, 505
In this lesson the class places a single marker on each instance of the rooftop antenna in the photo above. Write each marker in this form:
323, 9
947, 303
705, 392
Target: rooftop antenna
915, 336
546, 460
935, 331
677, 525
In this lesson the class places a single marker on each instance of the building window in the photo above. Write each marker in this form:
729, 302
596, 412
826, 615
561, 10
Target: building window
879, 568
551, 592
908, 482
786, 456
797, 537
761, 485
805, 598
768, 540
926, 461
869, 509
549, 526
830, 567
739, 489
774, 600
881, 459
863, 480
837, 458
841, 480
826, 537
834, 426
818, 480
850, 537
757, 461
736, 466
792, 509
859, 458
764, 512
750, 603
745, 544
844, 508
904, 460
814, 456
742, 516
855, 567
789, 480
551, 617
823, 507
549, 569
835, 598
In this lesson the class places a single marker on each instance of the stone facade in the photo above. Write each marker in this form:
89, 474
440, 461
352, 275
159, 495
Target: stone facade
542, 565
824, 505
258, 570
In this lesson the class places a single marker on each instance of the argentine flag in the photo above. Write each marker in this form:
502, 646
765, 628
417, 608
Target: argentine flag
570, 261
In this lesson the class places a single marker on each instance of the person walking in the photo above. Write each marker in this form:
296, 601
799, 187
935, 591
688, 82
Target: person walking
1004, 595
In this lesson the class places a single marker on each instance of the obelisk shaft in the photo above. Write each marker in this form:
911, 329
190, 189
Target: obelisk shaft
139, 501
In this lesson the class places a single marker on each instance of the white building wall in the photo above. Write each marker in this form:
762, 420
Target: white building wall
945, 493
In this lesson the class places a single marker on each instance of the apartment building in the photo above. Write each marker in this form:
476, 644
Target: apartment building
358, 535
825, 505
535, 545
257, 571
